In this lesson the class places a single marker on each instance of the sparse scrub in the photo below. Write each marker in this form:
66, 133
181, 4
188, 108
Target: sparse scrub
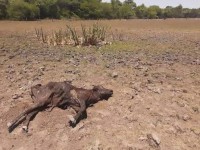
94, 35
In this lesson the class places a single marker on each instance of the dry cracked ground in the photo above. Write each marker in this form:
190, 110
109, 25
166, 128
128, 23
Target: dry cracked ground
154, 72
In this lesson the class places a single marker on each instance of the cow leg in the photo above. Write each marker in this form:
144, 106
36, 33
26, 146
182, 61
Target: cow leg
73, 120
50, 109
76, 108
11, 125
29, 117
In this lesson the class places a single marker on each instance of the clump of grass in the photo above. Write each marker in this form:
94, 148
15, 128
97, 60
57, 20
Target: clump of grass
58, 37
41, 35
74, 35
94, 35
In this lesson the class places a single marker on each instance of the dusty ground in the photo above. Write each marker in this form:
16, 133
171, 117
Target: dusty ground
154, 71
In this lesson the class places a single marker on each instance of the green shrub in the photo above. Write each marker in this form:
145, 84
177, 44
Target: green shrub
20, 10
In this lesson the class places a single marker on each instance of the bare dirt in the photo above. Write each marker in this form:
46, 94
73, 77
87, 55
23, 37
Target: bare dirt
154, 72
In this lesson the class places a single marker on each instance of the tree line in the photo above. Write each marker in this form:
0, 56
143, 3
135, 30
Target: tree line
88, 9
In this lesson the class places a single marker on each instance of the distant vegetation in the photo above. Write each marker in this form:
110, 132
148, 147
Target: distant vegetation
88, 9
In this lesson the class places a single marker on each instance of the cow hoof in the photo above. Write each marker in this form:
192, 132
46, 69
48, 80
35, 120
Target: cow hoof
71, 118
72, 121
9, 124
10, 127
24, 129
72, 124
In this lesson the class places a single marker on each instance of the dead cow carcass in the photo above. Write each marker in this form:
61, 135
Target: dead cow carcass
60, 94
